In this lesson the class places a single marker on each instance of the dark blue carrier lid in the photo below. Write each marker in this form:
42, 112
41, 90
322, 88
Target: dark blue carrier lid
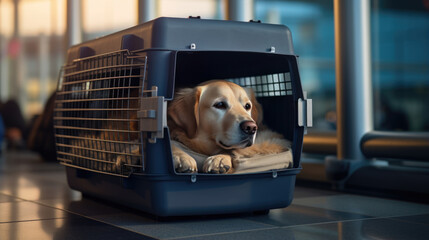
184, 34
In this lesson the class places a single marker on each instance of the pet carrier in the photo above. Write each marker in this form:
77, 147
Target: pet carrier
110, 113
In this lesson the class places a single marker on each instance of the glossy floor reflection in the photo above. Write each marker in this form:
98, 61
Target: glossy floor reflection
36, 203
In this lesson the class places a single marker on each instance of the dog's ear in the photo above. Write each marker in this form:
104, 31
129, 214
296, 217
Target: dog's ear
257, 113
183, 110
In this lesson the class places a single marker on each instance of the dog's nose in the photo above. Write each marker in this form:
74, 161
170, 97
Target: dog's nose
248, 127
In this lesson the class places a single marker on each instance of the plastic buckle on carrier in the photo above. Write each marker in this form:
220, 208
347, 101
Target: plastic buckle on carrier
305, 112
153, 115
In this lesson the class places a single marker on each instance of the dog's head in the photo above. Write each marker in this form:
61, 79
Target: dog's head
220, 114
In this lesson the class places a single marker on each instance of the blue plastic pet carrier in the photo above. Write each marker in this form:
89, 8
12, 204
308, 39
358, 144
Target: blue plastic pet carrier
111, 104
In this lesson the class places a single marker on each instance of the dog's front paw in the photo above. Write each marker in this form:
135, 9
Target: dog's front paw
217, 164
183, 163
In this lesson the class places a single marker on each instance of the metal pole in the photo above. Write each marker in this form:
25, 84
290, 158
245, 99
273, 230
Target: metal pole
147, 10
220, 10
4, 71
353, 76
15, 77
240, 10
74, 23
44, 67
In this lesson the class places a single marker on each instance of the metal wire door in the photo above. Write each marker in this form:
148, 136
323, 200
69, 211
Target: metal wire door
95, 117
276, 84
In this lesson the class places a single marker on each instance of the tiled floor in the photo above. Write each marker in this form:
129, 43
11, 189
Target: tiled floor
36, 203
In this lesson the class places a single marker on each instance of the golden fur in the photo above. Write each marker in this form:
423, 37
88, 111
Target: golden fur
196, 119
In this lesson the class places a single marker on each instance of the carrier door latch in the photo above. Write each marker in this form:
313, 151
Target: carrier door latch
305, 112
153, 115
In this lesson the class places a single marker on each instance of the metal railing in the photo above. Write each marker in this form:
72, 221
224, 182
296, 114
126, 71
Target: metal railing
396, 145
375, 144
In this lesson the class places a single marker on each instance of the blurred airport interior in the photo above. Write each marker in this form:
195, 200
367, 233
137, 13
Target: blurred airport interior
35, 35
34, 39
365, 168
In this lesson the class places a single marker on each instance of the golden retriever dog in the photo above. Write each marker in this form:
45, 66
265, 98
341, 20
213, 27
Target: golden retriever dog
218, 120
221, 120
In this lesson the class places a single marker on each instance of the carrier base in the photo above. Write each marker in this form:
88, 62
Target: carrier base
185, 195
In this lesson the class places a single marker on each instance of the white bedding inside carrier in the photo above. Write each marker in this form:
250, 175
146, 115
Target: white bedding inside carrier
259, 163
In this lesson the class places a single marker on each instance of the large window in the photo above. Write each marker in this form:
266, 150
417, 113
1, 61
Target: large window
400, 64
31, 40
32, 49
208, 9
312, 26
102, 17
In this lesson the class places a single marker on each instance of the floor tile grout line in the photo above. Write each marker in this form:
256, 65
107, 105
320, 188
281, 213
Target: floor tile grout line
33, 220
330, 222
360, 213
201, 235
291, 226
124, 228
222, 233
91, 218
20, 198
110, 224
408, 221
11, 196
262, 229
352, 220
358, 195
319, 196
74, 213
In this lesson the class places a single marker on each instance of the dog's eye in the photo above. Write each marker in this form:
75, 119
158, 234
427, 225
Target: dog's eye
247, 106
220, 105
